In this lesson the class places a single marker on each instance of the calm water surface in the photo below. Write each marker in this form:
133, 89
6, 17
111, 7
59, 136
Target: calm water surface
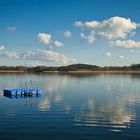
81, 107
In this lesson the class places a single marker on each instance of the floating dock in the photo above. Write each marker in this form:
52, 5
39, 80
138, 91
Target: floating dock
22, 92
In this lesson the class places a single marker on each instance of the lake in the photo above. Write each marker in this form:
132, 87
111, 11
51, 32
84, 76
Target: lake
73, 106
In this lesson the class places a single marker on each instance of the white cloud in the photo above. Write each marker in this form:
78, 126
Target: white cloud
89, 25
28, 55
46, 56
44, 38
8, 54
58, 44
68, 34
36, 63
47, 39
89, 38
2, 48
126, 44
122, 57
37, 57
112, 28
11, 29
12, 54
108, 54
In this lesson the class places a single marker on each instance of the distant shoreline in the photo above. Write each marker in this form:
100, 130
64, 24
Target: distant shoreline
90, 72
79, 72
74, 68
12, 71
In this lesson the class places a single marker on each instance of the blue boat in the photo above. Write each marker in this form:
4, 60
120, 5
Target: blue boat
22, 92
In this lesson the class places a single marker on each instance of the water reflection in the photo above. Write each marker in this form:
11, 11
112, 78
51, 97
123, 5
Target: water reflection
48, 101
115, 113
44, 104
53, 85
57, 82
79, 102
114, 109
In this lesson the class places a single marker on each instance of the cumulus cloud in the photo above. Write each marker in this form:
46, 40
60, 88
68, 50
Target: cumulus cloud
44, 55
10, 28
126, 44
68, 34
58, 44
8, 54
108, 54
112, 28
89, 25
47, 40
39, 56
44, 38
89, 38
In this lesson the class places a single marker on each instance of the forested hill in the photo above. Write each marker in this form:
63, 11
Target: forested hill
76, 67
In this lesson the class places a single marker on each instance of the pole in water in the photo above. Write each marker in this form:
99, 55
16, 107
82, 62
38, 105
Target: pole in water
31, 83
25, 85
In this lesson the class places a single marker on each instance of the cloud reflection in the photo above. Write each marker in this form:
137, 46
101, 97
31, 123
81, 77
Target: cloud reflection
114, 113
112, 110
44, 105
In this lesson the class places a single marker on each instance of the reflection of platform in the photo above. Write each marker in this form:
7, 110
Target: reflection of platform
22, 93
21, 96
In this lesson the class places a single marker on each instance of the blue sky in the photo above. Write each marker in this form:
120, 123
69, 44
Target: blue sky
62, 32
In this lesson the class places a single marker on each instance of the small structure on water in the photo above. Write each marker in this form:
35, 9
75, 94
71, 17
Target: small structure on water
22, 92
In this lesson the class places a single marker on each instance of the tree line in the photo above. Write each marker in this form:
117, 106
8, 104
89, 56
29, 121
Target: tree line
74, 67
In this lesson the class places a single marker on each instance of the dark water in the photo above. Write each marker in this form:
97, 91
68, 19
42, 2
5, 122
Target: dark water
80, 107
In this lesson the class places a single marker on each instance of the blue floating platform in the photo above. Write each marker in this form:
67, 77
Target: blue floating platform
22, 91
